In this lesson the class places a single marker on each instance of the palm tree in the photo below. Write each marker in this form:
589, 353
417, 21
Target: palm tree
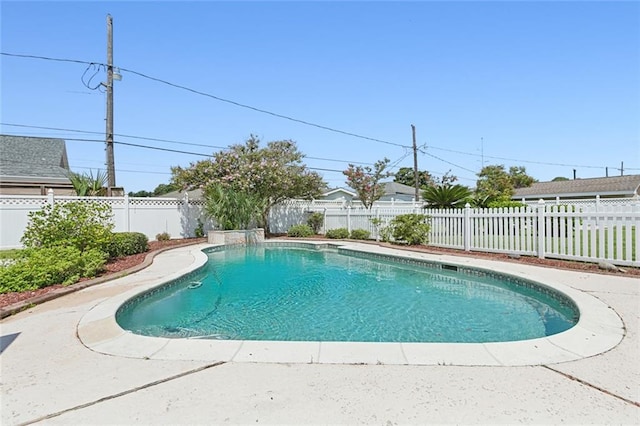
86, 185
446, 196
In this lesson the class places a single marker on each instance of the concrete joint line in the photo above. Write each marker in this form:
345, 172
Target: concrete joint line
583, 382
127, 392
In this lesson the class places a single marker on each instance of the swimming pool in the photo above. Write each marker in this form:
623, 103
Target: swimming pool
599, 328
305, 292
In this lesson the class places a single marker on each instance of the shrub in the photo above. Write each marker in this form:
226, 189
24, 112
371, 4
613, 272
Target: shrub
164, 236
315, 221
360, 234
42, 267
382, 229
127, 243
504, 204
229, 208
199, 231
337, 234
84, 225
411, 228
300, 231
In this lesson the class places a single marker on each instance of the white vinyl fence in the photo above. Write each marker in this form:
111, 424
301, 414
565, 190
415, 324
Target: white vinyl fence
150, 216
586, 231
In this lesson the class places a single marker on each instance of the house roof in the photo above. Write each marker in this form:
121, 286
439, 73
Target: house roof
392, 188
194, 194
608, 186
26, 158
333, 191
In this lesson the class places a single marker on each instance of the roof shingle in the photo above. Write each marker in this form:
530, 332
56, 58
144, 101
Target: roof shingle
608, 186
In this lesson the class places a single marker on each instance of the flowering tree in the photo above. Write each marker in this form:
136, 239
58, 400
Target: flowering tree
269, 175
365, 181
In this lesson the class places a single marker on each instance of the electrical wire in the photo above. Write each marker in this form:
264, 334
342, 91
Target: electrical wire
517, 160
100, 65
87, 83
449, 162
198, 92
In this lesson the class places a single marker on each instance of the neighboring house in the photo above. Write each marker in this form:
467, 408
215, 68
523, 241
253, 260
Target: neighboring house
338, 194
194, 194
393, 191
32, 166
606, 187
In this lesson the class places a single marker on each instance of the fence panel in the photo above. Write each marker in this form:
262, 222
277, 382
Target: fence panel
14, 217
586, 232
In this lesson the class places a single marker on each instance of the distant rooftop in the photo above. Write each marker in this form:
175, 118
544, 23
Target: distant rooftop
25, 157
619, 186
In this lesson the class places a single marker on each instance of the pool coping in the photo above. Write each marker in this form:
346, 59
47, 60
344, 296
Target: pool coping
598, 330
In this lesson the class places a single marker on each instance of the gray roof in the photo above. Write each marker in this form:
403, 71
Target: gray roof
620, 186
194, 194
392, 188
31, 158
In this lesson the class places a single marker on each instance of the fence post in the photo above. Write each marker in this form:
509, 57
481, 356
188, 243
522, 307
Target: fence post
324, 221
50, 197
127, 220
466, 227
377, 227
349, 219
541, 230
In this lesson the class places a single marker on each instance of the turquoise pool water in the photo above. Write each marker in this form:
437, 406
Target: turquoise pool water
280, 293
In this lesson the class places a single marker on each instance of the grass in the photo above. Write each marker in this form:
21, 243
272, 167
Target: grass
615, 241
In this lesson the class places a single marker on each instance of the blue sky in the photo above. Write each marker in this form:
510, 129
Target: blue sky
552, 86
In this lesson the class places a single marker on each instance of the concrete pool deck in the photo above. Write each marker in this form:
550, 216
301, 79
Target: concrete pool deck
64, 362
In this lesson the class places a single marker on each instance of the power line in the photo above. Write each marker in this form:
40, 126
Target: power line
140, 74
47, 58
115, 134
198, 92
449, 162
516, 160
155, 140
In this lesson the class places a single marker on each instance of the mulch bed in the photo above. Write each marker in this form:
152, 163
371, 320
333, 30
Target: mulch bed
124, 263
113, 266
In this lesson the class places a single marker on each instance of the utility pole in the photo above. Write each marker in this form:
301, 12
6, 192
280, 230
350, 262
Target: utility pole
415, 163
111, 172
622, 168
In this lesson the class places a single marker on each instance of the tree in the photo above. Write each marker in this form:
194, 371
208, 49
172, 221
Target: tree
493, 184
140, 194
366, 181
161, 189
559, 179
270, 175
496, 185
446, 196
446, 179
164, 188
86, 185
519, 177
406, 176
